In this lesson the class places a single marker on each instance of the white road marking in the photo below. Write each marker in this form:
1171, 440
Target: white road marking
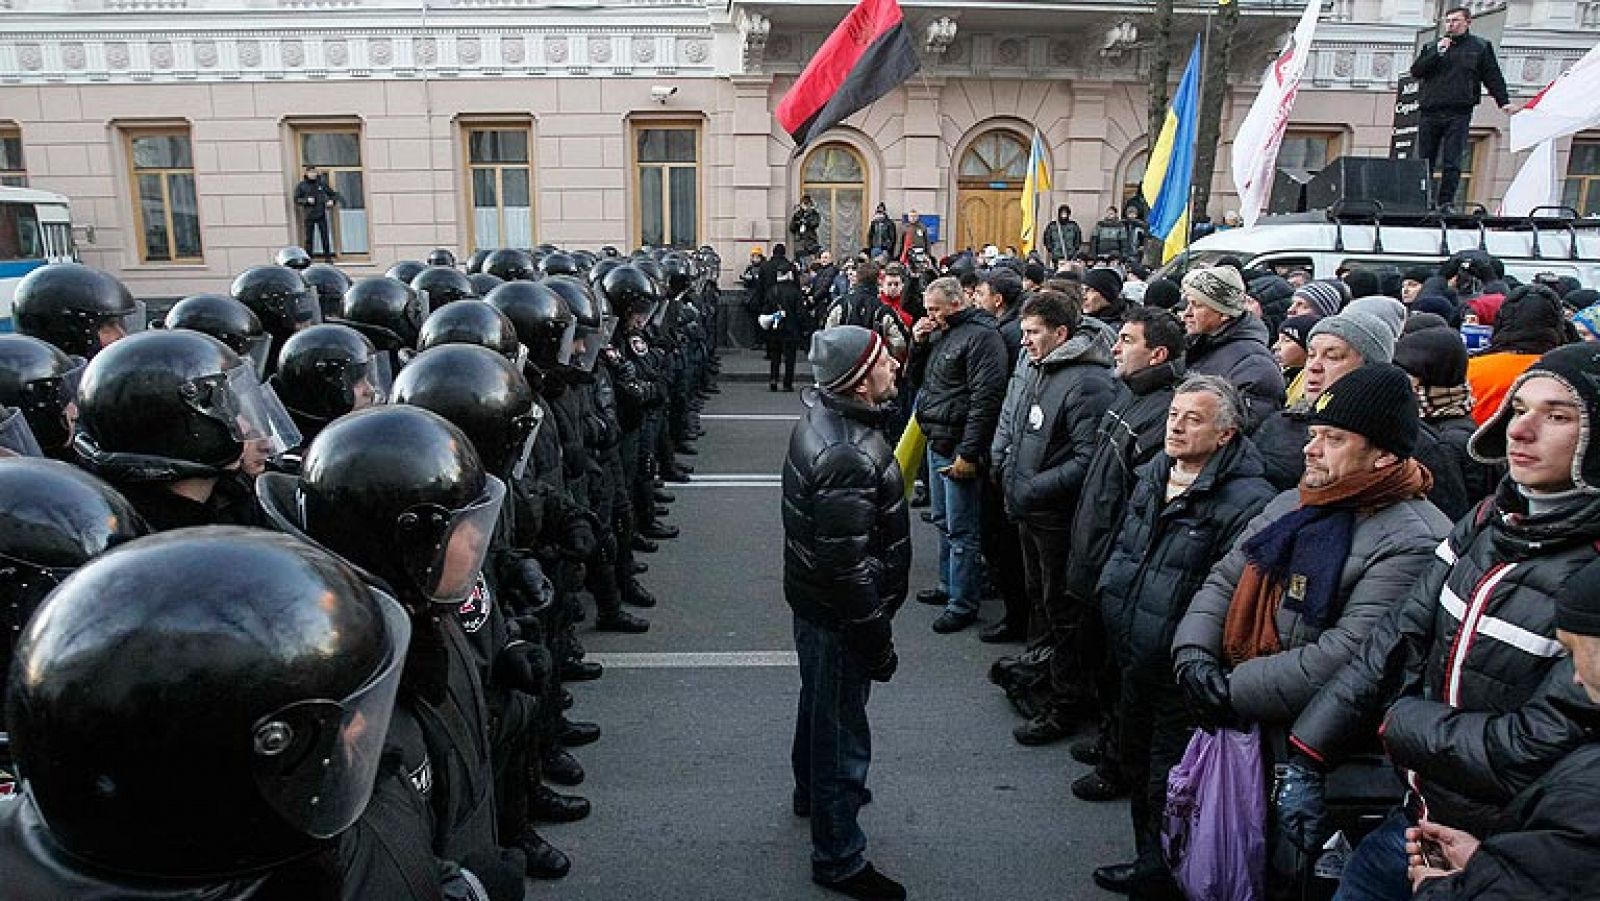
752, 417
734, 477
729, 484
696, 660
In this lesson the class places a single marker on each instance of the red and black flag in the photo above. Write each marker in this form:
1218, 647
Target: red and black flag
865, 58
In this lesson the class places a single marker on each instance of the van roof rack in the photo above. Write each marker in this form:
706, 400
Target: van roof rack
1473, 216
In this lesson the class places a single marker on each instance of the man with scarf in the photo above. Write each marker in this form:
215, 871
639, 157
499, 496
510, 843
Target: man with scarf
1313, 574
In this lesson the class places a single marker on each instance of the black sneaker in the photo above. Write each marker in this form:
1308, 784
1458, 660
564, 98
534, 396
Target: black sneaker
948, 622
545, 861
867, 884
1041, 730
1095, 788
1115, 877
621, 621
933, 597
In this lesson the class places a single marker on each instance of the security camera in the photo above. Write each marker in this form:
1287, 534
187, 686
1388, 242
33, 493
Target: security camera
660, 92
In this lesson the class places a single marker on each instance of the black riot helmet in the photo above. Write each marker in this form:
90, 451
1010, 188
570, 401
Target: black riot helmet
405, 270
54, 518
330, 283
440, 256
509, 264
677, 274
329, 370
473, 322
599, 269
294, 257
41, 382
558, 263
75, 307
610, 251
483, 283
584, 259
205, 703
483, 394
226, 320
398, 491
652, 268
162, 406
630, 292
442, 285
475, 262
279, 297
387, 311
593, 331
542, 320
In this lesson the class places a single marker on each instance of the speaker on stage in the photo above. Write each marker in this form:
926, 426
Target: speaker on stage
1400, 185
1289, 190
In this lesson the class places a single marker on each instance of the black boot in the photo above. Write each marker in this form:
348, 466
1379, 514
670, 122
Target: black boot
663, 496
576, 735
639, 567
658, 531
545, 861
644, 545
566, 699
561, 767
868, 885
620, 621
581, 670
637, 595
547, 805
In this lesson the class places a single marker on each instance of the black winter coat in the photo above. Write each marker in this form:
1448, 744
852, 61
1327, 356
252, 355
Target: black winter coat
846, 533
1164, 551
881, 234
1454, 82
1241, 353
779, 289
1055, 406
1130, 435
962, 373
1498, 572
1063, 239
1478, 479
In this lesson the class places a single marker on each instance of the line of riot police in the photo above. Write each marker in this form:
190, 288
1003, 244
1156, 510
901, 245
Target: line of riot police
290, 580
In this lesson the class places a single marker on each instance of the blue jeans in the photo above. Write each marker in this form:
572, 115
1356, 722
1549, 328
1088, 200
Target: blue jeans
832, 749
1376, 870
958, 513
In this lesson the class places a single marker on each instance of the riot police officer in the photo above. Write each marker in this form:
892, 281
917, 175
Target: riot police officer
293, 257
75, 307
441, 285
41, 383
277, 675
325, 372
226, 320
405, 270
440, 256
281, 299
388, 312
330, 283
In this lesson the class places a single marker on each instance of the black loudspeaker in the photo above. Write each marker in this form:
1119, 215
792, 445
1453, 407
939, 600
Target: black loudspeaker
1400, 185
1289, 190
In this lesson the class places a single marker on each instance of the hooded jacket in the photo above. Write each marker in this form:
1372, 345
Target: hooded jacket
1389, 549
1164, 550
1055, 405
846, 535
1241, 352
1475, 634
963, 383
1129, 436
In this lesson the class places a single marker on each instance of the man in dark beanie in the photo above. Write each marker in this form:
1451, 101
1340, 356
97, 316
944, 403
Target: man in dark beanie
1552, 850
847, 556
1314, 572
1294, 337
1162, 293
1433, 355
1102, 297
1474, 636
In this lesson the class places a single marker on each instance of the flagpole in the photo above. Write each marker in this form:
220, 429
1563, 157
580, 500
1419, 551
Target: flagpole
1194, 164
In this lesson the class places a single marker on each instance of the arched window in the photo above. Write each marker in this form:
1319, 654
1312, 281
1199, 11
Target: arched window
836, 178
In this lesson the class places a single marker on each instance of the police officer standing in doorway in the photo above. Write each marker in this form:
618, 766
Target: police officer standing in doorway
314, 197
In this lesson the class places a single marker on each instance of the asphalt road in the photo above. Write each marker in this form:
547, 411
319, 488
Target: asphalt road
691, 781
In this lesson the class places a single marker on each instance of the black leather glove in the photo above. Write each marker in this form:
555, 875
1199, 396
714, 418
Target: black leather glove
578, 538
1205, 690
526, 587
522, 666
871, 641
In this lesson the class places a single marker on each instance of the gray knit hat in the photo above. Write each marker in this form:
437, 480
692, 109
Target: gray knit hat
843, 355
1220, 288
1384, 307
1366, 334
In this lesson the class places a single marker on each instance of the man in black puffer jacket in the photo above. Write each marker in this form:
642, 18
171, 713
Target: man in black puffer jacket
846, 557
1188, 505
1055, 401
960, 362
1474, 637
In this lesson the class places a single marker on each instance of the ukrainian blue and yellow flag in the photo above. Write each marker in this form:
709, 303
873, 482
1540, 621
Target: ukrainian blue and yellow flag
1170, 173
1038, 180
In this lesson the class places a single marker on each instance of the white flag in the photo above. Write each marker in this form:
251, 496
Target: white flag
1255, 147
1535, 184
1565, 106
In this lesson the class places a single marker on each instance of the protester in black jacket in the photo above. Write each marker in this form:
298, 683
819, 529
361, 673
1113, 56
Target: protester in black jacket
1226, 339
783, 314
1063, 238
1189, 504
1000, 294
847, 554
1475, 635
881, 233
1454, 70
1433, 355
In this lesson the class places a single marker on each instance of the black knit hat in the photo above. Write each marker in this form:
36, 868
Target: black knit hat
1436, 356
1163, 293
1578, 602
1106, 281
1376, 401
1298, 328
1578, 367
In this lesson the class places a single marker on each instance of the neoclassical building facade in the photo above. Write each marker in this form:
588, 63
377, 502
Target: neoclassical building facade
178, 128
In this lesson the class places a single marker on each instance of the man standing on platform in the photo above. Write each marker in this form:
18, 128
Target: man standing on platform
1454, 71
846, 559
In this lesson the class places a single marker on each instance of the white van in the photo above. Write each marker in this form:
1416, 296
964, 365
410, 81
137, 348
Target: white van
1324, 246
35, 229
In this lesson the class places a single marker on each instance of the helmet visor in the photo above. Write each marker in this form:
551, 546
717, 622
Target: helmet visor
444, 549
528, 428
370, 383
591, 341
660, 314
15, 435
250, 410
315, 761
259, 349
563, 349
134, 320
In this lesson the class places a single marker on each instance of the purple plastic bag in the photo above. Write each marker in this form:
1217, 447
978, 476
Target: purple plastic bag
1213, 830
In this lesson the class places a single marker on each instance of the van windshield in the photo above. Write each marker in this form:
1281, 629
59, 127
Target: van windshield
1197, 259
